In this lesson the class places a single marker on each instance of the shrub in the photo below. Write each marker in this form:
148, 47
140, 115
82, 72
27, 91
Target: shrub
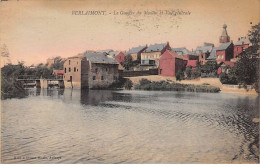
128, 84
179, 75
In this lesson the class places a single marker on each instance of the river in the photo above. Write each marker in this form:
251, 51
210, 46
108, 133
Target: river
105, 126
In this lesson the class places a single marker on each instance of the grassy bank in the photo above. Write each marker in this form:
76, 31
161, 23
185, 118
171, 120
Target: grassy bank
145, 84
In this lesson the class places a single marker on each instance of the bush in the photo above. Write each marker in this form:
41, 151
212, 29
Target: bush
179, 75
128, 84
227, 79
164, 85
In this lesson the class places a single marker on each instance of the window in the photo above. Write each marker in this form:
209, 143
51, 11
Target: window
70, 78
69, 62
74, 69
64, 76
106, 69
65, 70
94, 77
77, 69
102, 78
69, 69
96, 70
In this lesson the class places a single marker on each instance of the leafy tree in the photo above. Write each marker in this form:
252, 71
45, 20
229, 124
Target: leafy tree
247, 67
58, 63
128, 63
188, 71
179, 75
209, 67
254, 37
128, 84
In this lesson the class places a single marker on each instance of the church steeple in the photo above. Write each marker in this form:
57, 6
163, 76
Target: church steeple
224, 36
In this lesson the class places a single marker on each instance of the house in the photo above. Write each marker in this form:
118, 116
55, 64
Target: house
120, 57
241, 45
58, 73
135, 52
170, 63
152, 54
224, 52
188, 55
203, 52
90, 70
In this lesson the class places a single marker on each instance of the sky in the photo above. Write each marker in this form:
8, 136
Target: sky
34, 30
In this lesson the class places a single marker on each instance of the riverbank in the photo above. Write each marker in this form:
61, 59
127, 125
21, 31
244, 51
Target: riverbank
199, 81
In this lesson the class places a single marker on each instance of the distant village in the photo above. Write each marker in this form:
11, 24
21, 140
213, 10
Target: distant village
103, 67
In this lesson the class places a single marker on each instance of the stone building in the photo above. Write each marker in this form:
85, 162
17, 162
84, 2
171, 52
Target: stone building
135, 52
170, 62
152, 54
90, 70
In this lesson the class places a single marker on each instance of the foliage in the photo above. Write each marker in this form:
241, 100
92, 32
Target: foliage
196, 73
246, 69
128, 63
188, 71
128, 84
227, 78
10, 87
254, 37
165, 85
58, 63
210, 67
179, 75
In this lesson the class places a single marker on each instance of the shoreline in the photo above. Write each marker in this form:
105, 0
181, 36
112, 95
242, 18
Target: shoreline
199, 81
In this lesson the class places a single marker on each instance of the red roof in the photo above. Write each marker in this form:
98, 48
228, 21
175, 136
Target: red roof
192, 63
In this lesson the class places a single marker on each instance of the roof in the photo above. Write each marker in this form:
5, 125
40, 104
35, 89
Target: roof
155, 47
243, 41
181, 51
113, 53
212, 55
98, 57
192, 63
224, 46
174, 54
203, 49
135, 49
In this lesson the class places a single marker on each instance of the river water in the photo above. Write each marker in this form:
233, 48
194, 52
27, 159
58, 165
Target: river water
103, 126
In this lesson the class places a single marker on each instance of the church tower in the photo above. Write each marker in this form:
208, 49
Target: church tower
224, 36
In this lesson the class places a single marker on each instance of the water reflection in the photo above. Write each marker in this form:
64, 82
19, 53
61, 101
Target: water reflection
104, 126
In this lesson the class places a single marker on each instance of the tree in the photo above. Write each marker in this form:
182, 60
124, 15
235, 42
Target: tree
254, 37
188, 71
246, 68
58, 63
179, 75
209, 67
128, 84
128, 63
